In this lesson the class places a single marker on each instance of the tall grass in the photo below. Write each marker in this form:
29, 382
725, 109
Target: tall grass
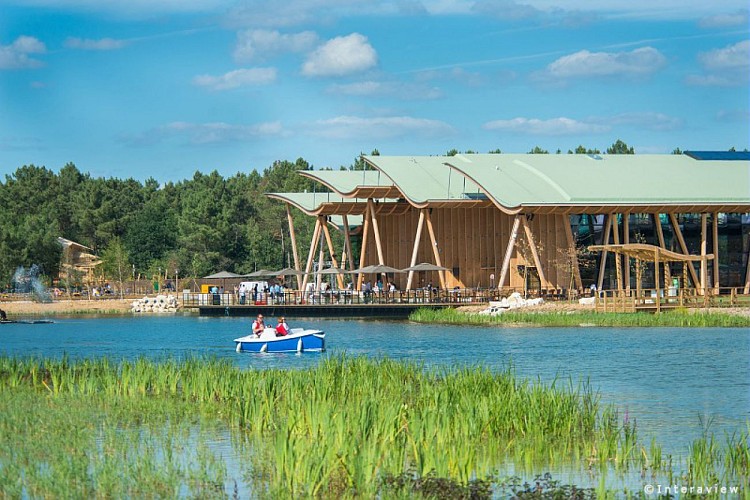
337, 429
580, 318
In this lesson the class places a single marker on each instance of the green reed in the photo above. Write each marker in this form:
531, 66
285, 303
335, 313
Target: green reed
579, 318
104, 428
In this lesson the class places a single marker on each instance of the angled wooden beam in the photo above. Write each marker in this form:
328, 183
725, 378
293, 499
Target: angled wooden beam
415, 250
747, 275
321, 255
715, 238
347, 244
534, 252
363, 251
435, 251
660, 235
565, 221
376, 231
313, 243
329, 242
683, 247
509, 250
293, 237
603, 260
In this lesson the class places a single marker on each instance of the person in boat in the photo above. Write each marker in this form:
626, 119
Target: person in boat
282, 328
258, 325
3, 316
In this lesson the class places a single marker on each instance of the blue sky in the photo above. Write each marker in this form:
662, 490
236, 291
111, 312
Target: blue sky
162, 88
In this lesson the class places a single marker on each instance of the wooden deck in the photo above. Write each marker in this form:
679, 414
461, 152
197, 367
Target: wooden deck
652, 300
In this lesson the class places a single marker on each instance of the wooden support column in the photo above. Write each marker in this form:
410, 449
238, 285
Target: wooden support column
603, 261
329, 242
683, 247
565, 221
509, 251
715, 238
626, 240
656, 275
293, 237
618, 260
747, 276
313, 243
662, 244
321, 255
415, 250
704, 251
376, 233
363, 252
435, 252
534, 252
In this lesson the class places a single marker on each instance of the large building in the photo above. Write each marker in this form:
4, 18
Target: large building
526, 220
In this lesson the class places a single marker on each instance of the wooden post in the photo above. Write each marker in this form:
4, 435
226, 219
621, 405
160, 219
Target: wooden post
704, 262
603, 261
435, 252
308, 265
534, 253
376, 233
638, 276
363, 251
321, 255
618, 260
509, 251
293, 237
415, 250
656, 275
565, 220
683, 247
626, 240
747, 276
348, 244
715, 238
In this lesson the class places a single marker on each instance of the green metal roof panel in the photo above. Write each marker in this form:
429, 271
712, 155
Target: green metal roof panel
310, 202
423, 178
516, 180
347, 181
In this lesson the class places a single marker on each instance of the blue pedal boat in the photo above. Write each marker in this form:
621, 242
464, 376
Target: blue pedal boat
298, 340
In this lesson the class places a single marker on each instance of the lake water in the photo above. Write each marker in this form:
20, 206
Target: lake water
668, 379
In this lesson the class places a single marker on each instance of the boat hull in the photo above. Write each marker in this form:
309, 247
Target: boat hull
297, 341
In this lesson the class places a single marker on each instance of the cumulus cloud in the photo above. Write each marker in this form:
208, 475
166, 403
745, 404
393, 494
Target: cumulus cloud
16, 55
263, 44
400, 90
89, 44
725, 67
341, 56
552, 126
348, 127
237, 78
584, 64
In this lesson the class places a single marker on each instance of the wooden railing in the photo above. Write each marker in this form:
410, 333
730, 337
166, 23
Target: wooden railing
671, 298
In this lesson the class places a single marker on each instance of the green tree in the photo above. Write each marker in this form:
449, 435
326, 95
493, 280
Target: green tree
116, 262
538, 151
620, 148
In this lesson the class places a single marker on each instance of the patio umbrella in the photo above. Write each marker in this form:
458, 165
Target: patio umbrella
334, 270
222, 275
260, 273
288, 271
377, 269
425, 266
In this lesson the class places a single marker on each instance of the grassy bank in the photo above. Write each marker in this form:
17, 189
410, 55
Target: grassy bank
347, 427
581, 318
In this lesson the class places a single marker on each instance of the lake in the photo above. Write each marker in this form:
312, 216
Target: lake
668, 379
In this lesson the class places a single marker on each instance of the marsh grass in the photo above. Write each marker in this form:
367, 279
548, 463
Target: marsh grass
682, 318
350, 426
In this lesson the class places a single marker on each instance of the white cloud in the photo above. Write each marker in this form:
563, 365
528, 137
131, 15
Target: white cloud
348, 127
725, 20
553, 126
400, 90
341, 56
89, 44
642, 120
504, 9
725, 67
237, 78
16, 55
206, 133
584, 64
262, 44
